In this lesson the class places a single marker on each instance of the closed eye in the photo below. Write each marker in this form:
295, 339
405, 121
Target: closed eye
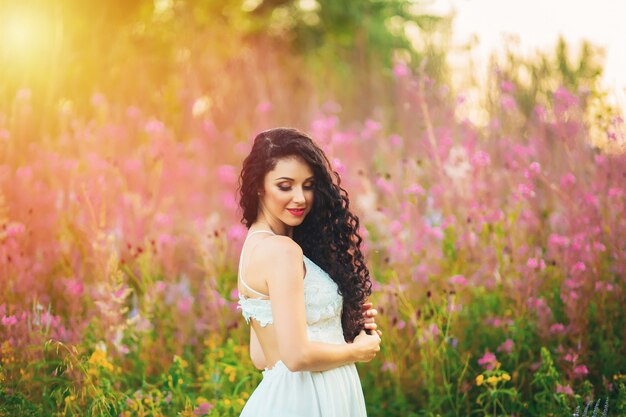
306, 187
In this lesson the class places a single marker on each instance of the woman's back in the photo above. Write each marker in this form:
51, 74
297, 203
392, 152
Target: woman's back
322, 302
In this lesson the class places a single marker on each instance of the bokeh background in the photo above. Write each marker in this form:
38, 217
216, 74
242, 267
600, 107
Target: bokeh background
482, 145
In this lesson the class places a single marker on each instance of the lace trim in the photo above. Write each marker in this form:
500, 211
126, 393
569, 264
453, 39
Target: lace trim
323, 304
258, 309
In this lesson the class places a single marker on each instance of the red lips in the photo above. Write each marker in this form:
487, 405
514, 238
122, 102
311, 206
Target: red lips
296, 212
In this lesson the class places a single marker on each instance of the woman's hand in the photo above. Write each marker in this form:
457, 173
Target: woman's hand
366, 346
369, 314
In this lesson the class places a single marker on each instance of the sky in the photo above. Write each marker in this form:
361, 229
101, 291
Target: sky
538, 24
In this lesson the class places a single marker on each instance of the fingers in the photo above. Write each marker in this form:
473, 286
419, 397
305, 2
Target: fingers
367, 306
372, 312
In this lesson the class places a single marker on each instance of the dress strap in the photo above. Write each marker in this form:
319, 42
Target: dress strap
241, 262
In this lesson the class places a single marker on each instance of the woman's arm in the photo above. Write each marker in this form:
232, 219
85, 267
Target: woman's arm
256, 351
282, 266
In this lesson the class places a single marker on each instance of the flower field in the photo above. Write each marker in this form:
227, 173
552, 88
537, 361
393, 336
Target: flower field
497, 253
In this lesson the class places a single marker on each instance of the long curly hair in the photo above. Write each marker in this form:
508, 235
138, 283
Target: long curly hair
329, 234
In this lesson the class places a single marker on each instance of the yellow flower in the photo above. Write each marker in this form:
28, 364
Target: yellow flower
240, 402
493, 380
226, 402
98, 359
479, 379
201, 400
506, 377
245, 395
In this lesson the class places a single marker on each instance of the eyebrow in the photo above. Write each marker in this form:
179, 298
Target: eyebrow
291, 179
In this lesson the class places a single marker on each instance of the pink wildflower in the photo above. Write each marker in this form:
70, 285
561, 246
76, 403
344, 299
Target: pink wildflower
567, 180
458, 280
535, 168
401, 70
74, 288
506, 346
581, 370
9, 321
599, 247
264, 107
414, 189
388, 367
488, 361
560, 389
237, 232
481, 159
227, 174
395, 140
401, 325
614, 192
339, 166
508, 102
184, 304
579, 266
384, 185
526, 190
507, 86
15, 229
564, 97
540, 112
557, 328
203, 409
154, 127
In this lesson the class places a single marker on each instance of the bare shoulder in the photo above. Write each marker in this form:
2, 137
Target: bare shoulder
278, 247
278, 257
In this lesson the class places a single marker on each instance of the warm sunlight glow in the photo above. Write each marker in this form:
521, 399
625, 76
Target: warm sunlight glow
23, 35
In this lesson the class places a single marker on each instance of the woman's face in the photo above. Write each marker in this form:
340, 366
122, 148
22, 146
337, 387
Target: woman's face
287, 195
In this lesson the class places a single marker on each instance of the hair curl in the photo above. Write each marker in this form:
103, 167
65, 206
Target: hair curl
329, 234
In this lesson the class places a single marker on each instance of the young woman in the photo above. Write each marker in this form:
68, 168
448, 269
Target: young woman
302, 282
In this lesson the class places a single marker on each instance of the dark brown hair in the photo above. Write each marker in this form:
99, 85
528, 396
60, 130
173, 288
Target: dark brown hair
329, 234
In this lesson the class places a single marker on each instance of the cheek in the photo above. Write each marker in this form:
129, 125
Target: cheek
279, 198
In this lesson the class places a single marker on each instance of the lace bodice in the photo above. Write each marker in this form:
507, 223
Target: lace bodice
323, 306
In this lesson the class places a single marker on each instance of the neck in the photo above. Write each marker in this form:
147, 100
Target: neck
262, 224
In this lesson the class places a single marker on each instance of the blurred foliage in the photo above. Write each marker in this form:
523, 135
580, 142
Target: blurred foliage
165, 54
533, 80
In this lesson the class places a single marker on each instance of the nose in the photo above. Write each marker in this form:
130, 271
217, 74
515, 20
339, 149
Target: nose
298, 196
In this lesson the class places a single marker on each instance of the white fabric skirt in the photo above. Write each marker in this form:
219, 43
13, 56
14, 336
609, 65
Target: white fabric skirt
283, 393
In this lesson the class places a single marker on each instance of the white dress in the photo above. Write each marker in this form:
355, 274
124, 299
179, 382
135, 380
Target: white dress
282, 393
